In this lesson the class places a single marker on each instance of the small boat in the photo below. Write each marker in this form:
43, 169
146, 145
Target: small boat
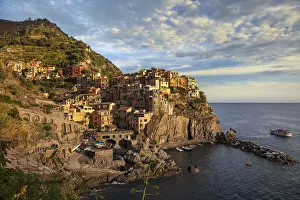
212, 143
179, 149
248, 163
281, 132
199, 145
188, 148
99, 144
193, 146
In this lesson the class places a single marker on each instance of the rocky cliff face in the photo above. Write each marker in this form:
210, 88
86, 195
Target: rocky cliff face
199, 124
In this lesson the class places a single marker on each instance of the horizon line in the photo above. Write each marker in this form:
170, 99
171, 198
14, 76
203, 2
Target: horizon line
259, 102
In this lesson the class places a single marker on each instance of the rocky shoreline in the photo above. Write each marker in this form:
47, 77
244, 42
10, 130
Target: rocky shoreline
135, 167
229, 139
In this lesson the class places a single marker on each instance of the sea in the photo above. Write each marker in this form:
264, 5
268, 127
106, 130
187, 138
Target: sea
223, 173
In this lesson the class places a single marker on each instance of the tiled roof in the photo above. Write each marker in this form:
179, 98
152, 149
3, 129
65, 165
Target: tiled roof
124, 108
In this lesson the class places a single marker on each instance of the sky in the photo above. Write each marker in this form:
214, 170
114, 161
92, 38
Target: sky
239, 50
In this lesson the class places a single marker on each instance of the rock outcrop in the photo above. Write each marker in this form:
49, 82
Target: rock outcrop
158, 161
193, 125
230, 139
193, 169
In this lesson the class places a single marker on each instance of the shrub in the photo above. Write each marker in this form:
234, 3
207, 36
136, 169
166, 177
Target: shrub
14, 113
13, 89
47, 109
5, 99
3, 74
52, 95
47, 127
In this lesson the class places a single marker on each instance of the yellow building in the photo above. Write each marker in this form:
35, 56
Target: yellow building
139, 120
163, 83
78, 115
88, 109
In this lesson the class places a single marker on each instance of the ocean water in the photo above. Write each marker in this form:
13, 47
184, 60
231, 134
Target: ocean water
223, 173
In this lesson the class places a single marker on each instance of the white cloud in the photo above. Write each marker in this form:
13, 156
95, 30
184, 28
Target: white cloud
181, 67
148, 19
240, 70
115, 30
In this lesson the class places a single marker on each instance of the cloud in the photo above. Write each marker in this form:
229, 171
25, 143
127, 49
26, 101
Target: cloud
274, 67
181, 67
206, 38
115, 30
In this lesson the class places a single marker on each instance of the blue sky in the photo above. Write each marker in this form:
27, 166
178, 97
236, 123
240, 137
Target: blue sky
239, 50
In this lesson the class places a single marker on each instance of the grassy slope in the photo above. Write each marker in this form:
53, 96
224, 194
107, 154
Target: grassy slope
43, 40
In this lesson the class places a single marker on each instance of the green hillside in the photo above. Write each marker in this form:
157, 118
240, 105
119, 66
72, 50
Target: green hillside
44, 41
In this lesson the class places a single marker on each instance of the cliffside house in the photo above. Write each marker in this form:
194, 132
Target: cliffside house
139, 119
122, 116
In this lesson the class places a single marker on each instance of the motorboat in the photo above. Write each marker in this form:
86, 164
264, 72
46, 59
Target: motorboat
179, 149
188, 148
281, 132
248, 163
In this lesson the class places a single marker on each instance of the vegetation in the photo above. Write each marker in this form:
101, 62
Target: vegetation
44, 41
47, 109
8, 100
14, 113
16, 184
47, 127
146, 185
3, 72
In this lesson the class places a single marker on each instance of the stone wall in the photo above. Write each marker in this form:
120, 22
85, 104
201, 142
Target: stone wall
103, 158
57, 120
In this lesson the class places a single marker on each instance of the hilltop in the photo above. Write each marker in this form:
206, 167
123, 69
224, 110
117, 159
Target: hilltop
42, 40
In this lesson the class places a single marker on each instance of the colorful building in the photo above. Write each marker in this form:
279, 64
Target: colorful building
122, 116
139, 119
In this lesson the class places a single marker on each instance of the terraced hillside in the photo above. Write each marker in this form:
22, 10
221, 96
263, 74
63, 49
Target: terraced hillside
44, 41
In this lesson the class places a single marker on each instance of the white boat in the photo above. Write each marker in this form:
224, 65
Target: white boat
179, 149
188, 148
248, 163
199, 145
281, 132
212, 143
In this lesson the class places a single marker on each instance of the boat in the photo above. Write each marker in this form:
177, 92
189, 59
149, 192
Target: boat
281, 132
211, 142
199, 145
99, 144
179, 149
248, 163
188, 148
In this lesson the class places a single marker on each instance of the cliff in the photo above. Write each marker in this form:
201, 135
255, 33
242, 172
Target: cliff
186, 125
43, 41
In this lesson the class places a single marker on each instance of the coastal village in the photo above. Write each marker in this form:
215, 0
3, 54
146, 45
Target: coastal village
111, 111
71, 122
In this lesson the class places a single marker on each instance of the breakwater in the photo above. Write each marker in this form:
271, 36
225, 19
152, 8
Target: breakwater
230, 139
